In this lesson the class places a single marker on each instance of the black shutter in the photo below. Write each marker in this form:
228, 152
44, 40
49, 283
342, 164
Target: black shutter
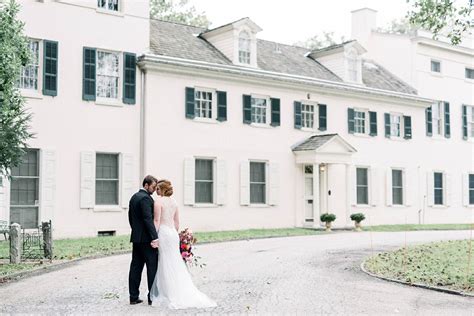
350, 121
373, 123
89, 67
221, 106
429, 121
323, 117
247, 108
407, 124
447, 121
189, 103
129, 78
275, 105
464, 122
297, 107
50, 68
387, 125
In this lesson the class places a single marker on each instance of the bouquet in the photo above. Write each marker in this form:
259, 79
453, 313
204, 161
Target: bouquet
186, 243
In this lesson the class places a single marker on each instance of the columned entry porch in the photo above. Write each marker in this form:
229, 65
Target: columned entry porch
323, 164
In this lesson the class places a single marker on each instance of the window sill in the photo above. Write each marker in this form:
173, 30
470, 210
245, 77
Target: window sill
260, 125
110, 12
205, 205
259, 205
397, 138
436, 74
114, 103
205, 120
107, 208
439, 206
31, 94
311, 130
398, 206
361, 135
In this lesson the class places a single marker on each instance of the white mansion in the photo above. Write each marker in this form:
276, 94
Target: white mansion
253, 134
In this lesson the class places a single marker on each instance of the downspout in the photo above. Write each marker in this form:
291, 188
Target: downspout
142, 123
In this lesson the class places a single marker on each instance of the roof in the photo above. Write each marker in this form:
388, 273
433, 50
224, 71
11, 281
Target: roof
179, 40
376, 76
314, 142
183, 41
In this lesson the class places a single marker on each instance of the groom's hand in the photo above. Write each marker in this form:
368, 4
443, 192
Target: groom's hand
154, 243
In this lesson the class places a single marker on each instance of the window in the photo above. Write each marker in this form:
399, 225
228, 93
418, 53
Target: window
360, 121
471, 189
258, 183
438, 188
362, 186
203, 104
471, 120
108, 75
438, 118
395, 125
259, 110
469, 73
352, 65
204, 181
112, 5
307, 115
30, 73
244, 47
106, 179
397, 187
24, 191
435, 66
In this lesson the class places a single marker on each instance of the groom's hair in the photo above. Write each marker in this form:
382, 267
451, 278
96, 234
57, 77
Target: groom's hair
149, 179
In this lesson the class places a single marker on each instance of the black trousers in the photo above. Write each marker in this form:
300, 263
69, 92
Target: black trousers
142, 253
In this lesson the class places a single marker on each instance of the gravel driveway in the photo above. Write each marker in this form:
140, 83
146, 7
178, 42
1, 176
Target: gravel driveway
294, 275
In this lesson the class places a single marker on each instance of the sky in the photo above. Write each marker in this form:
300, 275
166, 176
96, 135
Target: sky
297, 20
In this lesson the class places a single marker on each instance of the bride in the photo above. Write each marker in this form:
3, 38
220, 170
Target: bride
173, 286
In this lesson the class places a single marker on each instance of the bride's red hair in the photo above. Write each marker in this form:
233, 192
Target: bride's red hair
166, 188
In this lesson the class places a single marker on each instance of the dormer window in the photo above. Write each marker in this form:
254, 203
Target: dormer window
244, 48
352, 65
110, 5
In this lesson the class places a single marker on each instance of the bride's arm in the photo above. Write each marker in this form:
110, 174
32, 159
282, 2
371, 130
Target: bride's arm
176, 220
157, 214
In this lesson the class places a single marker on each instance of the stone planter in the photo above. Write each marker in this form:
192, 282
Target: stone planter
358, 227
328, 226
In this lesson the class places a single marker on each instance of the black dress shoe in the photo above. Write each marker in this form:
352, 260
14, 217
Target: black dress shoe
150, 302
137, 301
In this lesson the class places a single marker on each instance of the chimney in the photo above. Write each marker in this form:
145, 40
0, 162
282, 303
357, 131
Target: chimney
363, 22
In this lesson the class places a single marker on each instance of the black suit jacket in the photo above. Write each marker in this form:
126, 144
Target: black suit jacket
140, 217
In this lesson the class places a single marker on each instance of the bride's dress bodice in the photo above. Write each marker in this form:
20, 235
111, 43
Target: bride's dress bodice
168, 210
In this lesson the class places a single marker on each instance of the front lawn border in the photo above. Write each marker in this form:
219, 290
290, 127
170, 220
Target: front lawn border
420, 285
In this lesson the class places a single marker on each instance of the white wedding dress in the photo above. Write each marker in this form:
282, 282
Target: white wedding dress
173, 286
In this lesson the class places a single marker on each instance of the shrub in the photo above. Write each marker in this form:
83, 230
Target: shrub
357, 217
327, 217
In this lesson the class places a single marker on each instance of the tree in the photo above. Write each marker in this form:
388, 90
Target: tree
178, 11
398, 26
324, 39
14, 118
443, 17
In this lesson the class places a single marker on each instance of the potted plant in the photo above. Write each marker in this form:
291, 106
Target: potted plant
357, 218
328, 219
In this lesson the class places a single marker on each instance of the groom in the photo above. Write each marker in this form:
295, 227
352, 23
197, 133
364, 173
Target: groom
144, 238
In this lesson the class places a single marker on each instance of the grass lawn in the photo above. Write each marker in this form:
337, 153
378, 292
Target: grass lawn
441, 264
414, 227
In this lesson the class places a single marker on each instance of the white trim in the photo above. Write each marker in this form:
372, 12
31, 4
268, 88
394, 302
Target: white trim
186, 66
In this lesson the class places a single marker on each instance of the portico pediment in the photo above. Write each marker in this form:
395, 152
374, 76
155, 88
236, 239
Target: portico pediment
330, 148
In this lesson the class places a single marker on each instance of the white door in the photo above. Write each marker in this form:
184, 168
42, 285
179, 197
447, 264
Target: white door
308, 194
